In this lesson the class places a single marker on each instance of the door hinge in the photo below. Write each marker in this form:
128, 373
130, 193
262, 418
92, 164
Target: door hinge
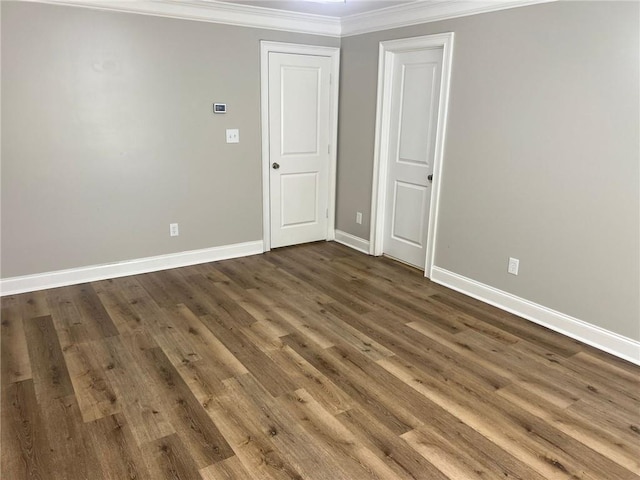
329, 149
327, 213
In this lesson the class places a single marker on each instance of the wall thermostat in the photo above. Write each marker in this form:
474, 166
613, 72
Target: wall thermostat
219, 108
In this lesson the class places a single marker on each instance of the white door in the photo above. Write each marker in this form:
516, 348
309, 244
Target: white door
299, 137
415, 93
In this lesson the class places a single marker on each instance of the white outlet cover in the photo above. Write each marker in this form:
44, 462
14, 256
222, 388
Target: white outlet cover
173, 230
514, 265
233, 135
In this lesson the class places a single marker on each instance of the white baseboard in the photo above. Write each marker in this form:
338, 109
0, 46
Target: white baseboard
352, 241
73, 276
610, 342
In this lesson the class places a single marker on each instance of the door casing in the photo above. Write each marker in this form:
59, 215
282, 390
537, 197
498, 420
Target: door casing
383, 127
299, 49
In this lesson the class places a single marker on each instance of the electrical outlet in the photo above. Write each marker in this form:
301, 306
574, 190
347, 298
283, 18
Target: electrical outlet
173, 230
359, 218
514, 264
233, 135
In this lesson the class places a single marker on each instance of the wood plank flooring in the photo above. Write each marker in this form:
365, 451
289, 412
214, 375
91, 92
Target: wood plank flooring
308, 362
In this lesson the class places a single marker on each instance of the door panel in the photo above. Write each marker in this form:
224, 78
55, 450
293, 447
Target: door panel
300, 110
408, 199
299, 106
304, 188
415, 92
416, 112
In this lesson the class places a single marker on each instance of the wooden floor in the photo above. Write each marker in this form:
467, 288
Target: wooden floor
311, 362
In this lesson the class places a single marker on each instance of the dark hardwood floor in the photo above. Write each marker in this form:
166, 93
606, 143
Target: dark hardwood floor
310, 362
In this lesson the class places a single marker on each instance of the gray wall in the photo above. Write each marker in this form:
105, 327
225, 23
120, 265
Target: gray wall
541, 158
108, 135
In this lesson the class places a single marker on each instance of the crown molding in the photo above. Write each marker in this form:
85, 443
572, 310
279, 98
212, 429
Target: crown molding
217, 12
423, 11
420, 11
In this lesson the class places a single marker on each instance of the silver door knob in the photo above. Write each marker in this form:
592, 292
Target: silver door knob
275, 166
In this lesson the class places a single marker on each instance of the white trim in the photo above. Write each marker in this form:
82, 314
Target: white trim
415, 13
298, 49
73, 276
613, 343
357, 243
284, 20
217, 12
383, 126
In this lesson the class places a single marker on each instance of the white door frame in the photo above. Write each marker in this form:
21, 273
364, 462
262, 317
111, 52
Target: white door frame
383, 127
299, 49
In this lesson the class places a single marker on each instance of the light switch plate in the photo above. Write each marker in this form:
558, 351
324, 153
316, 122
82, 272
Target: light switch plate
233, 135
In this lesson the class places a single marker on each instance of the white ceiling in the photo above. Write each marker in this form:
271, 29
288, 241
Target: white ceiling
328, 8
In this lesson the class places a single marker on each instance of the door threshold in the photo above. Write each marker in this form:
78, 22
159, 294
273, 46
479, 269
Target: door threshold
420, 269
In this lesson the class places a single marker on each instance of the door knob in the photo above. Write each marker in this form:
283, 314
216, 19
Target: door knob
430, 177
275, 166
